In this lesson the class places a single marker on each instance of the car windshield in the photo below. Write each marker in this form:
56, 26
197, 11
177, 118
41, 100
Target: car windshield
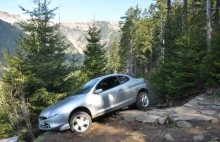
86, 87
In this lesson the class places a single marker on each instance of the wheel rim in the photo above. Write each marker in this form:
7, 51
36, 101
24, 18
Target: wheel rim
80, 123
144, 100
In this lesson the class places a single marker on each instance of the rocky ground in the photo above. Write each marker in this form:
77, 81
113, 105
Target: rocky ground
196, 120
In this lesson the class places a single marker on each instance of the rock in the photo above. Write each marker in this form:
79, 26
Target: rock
185, 110
158, 112
209, 112
215, 139
215, 107
183, 124
198, 138
129, 118
162, 120
210, 127
214, 121
192, 103
147, 118
12, 139
218, 115
169, 138
205, 103
200, 98
130, 115
190, 117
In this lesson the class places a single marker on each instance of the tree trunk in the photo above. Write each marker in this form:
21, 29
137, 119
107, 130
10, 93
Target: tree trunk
135, 66
150, 62
208, 24
185, 11
131, 56
168, 10
217, 12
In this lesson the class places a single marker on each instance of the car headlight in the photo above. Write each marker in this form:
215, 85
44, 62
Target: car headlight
51, 116
54, 113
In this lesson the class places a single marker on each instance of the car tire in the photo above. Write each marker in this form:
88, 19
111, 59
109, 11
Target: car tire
142, 101
80, 122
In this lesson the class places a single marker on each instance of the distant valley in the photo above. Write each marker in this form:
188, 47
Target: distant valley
75, 33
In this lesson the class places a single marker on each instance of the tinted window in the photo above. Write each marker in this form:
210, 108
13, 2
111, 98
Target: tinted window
123, 79
86, 87
108, 83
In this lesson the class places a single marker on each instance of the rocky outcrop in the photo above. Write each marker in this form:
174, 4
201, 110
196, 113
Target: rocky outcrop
196, 110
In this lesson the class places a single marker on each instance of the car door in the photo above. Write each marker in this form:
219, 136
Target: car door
105, 101
123, 95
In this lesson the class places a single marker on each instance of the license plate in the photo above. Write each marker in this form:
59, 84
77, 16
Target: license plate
44, 126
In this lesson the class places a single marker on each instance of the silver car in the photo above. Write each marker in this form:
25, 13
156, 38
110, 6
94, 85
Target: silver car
97, 97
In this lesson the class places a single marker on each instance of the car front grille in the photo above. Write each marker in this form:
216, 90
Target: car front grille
44, 126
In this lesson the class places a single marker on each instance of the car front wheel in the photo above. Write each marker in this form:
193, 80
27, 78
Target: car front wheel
142, 101
80, 122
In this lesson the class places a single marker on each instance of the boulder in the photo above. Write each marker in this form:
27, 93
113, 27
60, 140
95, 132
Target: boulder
218, 115
215, 139
169, 138
215, 107
159, 112
198, 138
185, 110
209, 112
192, 103
162, 120
147, 118
214, 121
190, 117
130, 115
183, 124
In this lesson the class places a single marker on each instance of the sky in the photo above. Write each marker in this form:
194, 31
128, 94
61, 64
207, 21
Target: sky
80, 10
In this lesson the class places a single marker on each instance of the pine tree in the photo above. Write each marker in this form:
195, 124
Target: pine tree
132, 15
95, 62
114, 58
43, 50
37, 72
178, 77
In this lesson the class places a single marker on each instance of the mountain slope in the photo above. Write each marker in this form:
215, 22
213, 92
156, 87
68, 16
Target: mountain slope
8, 36
75, 32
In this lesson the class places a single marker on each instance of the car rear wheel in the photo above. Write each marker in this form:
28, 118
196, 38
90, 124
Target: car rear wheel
142, 101
80, 122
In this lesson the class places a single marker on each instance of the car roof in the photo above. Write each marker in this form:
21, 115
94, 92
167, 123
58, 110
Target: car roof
109, 75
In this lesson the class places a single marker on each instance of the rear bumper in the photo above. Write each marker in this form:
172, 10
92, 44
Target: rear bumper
58, 122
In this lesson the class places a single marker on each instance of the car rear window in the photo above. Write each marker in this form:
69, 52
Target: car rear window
123, 79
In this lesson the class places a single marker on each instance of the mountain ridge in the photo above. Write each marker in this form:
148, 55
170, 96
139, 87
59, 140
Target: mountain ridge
75, 31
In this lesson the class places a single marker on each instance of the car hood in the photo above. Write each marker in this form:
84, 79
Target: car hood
55, 108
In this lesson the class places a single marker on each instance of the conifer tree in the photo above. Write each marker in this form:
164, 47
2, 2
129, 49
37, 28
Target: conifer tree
114, 58
95, 62
37, 71
132, 15
43, 50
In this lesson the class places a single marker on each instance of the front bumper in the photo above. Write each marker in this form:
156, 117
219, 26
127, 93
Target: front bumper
58, 122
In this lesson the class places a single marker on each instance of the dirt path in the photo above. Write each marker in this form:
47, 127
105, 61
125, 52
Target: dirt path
109, 129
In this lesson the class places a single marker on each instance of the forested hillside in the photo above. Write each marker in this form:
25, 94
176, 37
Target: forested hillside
173, 44
174, 41
8, 36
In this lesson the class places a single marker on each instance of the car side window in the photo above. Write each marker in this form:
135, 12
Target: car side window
108, 83
123, 79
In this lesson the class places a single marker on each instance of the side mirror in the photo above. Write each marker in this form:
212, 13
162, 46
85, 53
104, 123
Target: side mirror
98, 91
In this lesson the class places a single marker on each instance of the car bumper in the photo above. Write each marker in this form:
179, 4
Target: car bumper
58, 122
